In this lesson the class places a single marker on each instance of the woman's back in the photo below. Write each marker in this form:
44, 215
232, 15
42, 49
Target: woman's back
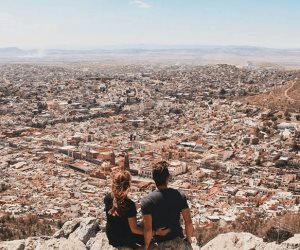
117, 227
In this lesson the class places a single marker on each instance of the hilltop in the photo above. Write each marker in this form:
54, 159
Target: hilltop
87, 234
286, 97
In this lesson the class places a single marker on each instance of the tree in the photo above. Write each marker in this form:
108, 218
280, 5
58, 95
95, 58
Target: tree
222, 91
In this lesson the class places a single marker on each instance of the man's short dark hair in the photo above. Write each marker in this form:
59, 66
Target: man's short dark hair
160, 173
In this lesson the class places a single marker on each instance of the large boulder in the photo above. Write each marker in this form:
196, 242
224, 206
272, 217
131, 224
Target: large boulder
68, 228
87, 229
35, 243
39, 243
72, 236
247, 241
72, 244
292, 243
99, 242
12, 245
78, 234
234, 241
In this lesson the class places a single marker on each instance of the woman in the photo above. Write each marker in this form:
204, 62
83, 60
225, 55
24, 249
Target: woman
121, 227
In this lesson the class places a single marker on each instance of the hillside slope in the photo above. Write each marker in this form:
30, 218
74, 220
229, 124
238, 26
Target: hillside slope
284, 98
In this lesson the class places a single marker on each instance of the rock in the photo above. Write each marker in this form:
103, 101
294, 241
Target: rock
99, 242
12, 245
255, 141
38, 243
73, 244
247, 241
3, 186
83, 234
292, 243
246, 140
51, 244
33, 243
235, 241
68, 228
270, 246
228, 155
87, 229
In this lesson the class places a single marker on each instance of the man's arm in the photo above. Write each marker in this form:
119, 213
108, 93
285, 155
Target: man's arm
147, 230
189, 229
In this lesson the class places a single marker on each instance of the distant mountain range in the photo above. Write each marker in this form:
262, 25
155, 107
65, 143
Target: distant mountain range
203, 54
140, 49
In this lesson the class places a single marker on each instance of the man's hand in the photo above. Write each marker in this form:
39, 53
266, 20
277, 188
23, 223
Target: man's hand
163, 231
189, 241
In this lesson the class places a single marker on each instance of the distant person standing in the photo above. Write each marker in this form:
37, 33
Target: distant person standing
162, 208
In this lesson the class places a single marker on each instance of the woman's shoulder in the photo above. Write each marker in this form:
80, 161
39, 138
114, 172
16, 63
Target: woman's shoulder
131, 210
108, 197
130, 204
129, 201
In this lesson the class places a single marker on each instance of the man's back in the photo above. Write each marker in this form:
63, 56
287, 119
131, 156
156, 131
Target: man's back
165, 205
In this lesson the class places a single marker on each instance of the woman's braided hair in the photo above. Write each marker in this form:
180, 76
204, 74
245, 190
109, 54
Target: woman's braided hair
120, 185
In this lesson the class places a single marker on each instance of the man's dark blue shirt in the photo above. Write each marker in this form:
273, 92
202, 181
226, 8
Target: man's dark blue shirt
165, 206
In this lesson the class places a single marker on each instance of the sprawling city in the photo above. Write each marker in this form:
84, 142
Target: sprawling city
65, 128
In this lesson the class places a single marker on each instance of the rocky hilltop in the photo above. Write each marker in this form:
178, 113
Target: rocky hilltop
85, 233
77, 234
247, 241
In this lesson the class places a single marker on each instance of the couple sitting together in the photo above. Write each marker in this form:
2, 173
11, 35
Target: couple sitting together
161, 210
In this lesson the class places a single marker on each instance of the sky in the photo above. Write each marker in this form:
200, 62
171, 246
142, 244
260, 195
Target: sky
91, 24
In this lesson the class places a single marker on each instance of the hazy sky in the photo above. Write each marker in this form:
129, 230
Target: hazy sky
86, 24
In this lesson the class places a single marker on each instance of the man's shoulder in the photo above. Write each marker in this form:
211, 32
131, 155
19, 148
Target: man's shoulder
177, 192
157, 195
148, 196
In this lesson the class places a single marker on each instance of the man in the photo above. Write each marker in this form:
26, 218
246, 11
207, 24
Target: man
162, 208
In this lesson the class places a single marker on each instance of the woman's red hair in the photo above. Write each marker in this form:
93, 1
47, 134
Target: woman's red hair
120, 184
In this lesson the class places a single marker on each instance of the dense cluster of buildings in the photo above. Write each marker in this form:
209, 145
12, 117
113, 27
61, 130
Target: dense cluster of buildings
64, 129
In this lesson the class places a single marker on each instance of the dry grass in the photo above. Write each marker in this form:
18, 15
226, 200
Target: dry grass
284, 98
255, 224
12, 228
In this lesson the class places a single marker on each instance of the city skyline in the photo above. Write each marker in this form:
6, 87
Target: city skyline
97, 24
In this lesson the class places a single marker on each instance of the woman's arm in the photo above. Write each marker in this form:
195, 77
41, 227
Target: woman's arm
134, 227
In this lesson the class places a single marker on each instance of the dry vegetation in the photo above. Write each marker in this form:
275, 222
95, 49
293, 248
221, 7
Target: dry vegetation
255, 224
284, 98
12, 228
